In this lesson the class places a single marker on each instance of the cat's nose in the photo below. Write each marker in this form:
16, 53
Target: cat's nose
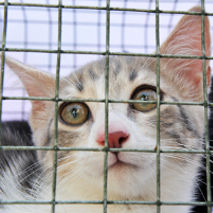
115, 138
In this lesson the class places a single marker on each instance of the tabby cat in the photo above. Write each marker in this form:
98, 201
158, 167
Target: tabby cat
28, 175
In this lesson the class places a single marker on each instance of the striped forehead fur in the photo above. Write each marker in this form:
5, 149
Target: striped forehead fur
117, 65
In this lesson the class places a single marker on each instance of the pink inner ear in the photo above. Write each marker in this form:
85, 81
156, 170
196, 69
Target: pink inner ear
35, 82
38, 84
193, 71
186, 39
196, 73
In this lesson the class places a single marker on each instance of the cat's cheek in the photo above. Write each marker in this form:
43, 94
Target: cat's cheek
91, 164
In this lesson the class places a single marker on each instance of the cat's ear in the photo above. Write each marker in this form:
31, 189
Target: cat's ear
37, 84
186, 39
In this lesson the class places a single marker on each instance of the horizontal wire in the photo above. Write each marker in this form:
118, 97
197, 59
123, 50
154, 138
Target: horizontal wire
49, 148
113, 202
103, 100
104, 53
105, 8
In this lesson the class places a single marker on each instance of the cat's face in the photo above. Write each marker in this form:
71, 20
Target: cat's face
130, 125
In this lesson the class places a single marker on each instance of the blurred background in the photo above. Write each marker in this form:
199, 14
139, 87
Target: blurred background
32, 27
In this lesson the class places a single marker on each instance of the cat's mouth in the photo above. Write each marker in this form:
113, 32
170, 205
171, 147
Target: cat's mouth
119, 163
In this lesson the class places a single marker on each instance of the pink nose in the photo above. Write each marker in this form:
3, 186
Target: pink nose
115, 139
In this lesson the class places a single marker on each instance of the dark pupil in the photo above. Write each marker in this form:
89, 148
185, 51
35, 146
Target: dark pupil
74, 112
144, 97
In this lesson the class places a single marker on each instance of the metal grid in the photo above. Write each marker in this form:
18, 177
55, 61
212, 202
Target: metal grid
58, 51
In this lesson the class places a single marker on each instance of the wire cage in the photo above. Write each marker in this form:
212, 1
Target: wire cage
61, 36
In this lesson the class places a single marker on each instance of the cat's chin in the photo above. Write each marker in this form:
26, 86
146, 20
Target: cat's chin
124, 181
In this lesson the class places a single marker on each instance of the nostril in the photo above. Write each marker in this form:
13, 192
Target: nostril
115, 138
123, 139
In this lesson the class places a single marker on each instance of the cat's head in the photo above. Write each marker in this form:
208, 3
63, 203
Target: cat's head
130, 125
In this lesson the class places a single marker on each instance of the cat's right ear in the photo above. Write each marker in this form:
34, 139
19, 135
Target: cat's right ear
186, 40
37, 84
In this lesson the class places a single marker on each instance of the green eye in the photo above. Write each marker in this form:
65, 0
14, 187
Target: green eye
74, 113
144, 93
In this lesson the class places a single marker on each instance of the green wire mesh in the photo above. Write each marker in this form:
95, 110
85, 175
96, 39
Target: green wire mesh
58, 50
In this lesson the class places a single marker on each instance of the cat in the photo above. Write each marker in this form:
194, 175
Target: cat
200, 189
28, 175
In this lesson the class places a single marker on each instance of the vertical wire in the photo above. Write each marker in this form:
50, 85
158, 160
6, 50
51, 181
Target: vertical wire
74, 36
3, 45
25, 56
206, 124
99, 27
146, 26
123, 27
50, 41
55, 163
1, 21
158, 106
106, 103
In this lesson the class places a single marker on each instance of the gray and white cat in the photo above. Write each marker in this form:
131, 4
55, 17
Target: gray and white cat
131, 175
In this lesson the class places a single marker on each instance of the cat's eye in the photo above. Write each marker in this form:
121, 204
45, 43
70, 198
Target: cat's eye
144, 93
74, 113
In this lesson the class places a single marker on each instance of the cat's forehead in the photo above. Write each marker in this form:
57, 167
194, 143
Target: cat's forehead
125, 73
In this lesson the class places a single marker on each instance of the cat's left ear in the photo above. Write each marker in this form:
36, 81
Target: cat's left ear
186, 39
